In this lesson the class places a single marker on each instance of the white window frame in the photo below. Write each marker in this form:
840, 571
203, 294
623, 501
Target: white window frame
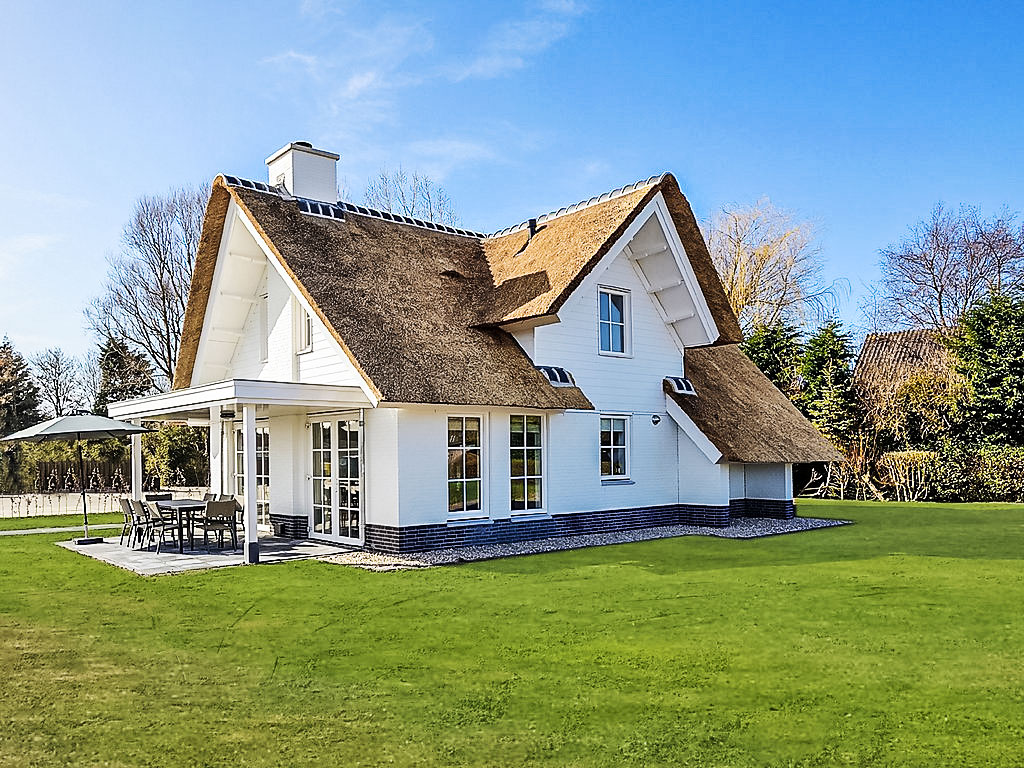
303, 324
262, 478
542, 477
626, 419
627, 321
264, 326
467, 514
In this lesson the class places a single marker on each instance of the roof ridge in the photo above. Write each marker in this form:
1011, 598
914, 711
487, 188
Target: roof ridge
619, 192
332, 210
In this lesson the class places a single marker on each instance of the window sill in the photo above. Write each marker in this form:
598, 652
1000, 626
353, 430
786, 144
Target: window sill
614, 354
455, 522
305, 351
618, 481
530, 514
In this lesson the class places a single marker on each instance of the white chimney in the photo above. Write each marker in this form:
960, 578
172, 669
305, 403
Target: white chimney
305, 171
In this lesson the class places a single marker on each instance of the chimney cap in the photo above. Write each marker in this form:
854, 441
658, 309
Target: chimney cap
302, 146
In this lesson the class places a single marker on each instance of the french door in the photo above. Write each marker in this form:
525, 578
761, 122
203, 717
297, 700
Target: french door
337, 480
262, 449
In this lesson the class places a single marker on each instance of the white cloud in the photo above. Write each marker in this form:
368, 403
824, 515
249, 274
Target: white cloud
16, 250
288, 59
439, 157
510, 44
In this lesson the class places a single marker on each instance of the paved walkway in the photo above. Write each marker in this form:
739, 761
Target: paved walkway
147, 562
72, 529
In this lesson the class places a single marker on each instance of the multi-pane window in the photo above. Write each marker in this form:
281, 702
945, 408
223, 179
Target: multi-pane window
614, 309
464, 464
262, 471
323, 477
303, 329
526, 460
264, 328
614, 447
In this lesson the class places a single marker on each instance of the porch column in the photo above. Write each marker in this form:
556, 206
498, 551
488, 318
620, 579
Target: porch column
252, 542
137, 467
216, 445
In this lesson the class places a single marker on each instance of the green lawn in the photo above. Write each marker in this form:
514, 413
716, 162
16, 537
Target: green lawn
896, 641
56, 521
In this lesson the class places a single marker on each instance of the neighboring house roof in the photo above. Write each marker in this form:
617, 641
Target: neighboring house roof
416, 305
887, 360
743, 414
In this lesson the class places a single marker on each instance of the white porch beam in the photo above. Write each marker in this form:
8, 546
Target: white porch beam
252, 541
216, 445
665, 286
137, 467
238, 297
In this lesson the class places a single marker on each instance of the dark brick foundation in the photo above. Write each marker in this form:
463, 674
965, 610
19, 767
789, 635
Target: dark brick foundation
289, 526
418, 538
779, 509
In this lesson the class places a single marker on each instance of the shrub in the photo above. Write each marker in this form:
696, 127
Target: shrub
972, 473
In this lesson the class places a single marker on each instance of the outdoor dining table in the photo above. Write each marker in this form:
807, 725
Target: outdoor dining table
180, 508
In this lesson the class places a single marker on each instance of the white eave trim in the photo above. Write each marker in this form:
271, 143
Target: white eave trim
692, 431
251, 391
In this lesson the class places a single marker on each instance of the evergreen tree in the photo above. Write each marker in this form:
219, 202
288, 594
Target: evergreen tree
989, 353
124, 374
19, 407
19, 396
825, 375
775, 349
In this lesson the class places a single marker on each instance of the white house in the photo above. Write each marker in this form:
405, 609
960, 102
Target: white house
399, 385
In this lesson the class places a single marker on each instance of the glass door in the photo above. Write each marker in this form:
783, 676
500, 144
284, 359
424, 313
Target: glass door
262, 472
337, 480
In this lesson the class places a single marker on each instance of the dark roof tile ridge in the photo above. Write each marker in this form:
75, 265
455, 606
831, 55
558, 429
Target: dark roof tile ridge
611, 195
320, 208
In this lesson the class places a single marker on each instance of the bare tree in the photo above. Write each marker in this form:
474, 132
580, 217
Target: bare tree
948, 262
769, 266
148, 280
410, 195
57, 376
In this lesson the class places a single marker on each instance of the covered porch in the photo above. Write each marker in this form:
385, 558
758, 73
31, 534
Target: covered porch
261, 450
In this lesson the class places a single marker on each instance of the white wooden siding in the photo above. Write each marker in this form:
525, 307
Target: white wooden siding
325, 363
381, 468
623, 384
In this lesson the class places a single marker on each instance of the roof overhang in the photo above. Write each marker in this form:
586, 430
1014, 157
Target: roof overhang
274, 397
691, 430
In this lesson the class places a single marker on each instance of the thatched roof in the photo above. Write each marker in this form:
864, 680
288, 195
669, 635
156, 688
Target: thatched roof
418, 307
887, 360
402, 301
534, 276
743, 414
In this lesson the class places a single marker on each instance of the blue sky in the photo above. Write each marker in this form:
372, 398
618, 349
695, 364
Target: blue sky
858, 116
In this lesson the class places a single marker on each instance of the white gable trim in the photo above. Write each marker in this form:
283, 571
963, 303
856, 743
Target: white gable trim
206, 330
655, 208
692, 431
234, 217
301, 299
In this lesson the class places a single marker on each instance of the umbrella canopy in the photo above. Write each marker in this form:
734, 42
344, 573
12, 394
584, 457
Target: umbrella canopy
79, 427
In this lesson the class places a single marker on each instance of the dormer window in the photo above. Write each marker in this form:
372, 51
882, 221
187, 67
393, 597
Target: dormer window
613, 321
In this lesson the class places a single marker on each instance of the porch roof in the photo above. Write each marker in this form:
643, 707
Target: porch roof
278, 397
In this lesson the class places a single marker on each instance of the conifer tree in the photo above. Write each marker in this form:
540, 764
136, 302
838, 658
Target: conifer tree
825, 376
19, 407
775, 349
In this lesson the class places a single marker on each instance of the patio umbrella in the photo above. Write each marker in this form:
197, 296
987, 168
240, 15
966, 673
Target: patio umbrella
81, 426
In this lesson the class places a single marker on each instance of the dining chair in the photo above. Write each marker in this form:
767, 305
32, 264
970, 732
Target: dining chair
159, 525
140, 522
128, 529
220, 519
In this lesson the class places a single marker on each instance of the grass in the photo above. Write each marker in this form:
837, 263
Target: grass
897, 641
56, 521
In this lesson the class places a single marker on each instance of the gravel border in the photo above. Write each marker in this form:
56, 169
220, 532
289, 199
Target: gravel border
741, 528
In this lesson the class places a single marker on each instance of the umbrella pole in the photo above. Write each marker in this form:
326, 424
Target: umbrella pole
81, 475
